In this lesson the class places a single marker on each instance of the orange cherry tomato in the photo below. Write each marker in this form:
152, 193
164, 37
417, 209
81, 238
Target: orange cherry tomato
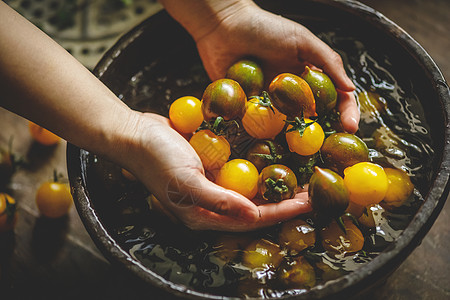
186, 115
53, 199
212, 149
42, 135
239, 175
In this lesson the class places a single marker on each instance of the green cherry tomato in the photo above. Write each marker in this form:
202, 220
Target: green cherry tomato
277, 182
292, 96
249, 75
223, 98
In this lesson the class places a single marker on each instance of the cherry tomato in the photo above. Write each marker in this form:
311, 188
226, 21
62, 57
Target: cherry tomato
372, 216
308, 142
341, 150
262, 120
292, 96
276, 183
228, 246
239, 175
323, 89
212, 149
8, 213
328, 194
366, 182
399, 189
338, 242
42, 135
264, 153
249, 75
53, 199
262, 254
297, 273
297, 235
185, 113
223, 98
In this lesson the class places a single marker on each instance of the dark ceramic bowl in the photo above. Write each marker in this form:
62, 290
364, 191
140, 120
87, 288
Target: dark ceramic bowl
159, 46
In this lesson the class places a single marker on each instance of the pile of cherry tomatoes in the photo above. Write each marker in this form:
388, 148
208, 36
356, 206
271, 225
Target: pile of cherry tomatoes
294, 138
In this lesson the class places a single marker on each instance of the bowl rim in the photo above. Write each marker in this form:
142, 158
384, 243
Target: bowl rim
353, 282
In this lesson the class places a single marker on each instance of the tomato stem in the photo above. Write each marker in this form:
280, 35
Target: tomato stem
275, 189
299, 124
263, 100
219, 126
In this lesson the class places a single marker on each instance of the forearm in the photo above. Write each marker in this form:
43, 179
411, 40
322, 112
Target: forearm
40, 81
200, 17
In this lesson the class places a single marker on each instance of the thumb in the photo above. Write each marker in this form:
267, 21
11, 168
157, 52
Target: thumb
194, 189
321, 55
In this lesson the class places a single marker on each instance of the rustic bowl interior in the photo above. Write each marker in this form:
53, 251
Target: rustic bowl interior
160, 45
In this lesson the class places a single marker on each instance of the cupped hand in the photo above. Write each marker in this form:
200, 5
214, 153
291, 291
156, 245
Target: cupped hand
176, 178
281, 45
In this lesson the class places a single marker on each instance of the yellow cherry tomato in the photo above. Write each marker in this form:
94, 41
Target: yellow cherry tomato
53, 199
42, 135
366, 182
399, 189
262, 254
239, 175
213, 150
262, 121
186, 115
307, 143
8, 212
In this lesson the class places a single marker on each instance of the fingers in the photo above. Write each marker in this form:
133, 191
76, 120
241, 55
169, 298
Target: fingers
349, 111
199, 218
195, 190
273, 213
315, 51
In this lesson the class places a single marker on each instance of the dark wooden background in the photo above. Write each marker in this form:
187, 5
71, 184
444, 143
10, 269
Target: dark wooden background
45, 259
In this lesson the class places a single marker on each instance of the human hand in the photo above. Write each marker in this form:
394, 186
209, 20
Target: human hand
176, 177
280, 44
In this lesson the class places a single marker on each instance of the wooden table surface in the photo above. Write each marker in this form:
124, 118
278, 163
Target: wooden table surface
56, 259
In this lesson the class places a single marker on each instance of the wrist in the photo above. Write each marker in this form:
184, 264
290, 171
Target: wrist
203, 16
